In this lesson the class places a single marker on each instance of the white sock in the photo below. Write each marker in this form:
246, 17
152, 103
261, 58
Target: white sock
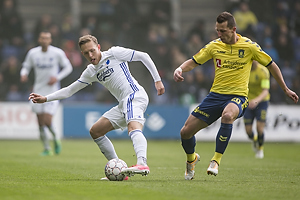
140, 146
106, 147
44, 138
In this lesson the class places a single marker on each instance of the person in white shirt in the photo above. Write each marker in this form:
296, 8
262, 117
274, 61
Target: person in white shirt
110, 68
50, 65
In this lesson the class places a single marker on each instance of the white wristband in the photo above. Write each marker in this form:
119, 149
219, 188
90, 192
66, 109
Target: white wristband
179, 69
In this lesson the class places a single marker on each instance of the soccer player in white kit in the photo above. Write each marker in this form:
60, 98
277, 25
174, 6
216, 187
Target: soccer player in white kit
110, 68
50, 65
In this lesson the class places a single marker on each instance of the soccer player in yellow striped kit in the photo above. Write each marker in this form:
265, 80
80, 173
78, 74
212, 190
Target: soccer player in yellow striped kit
232, 55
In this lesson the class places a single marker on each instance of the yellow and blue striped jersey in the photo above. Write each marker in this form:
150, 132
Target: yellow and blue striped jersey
232, 64
259, 80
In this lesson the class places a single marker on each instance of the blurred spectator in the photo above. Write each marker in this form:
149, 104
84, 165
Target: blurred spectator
295, 19
203, 84
161, 12
43, 23
194, 44
68, 31
56, 35
11, 21
12, 34
198, 29
11, 79
2, 88
288, 73
75, 57
276, 93
162, 59
296, 85
246, 20
283, 44
269, 49
177, 57
282, 12
160, 17
84, 31
72, 53
296, 81
91, 24
187, 90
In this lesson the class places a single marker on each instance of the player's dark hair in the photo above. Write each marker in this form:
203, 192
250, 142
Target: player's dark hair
87, 38
45, 31
226, 16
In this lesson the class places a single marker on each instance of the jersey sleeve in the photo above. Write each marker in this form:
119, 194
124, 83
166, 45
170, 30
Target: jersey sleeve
203, 55
27, 64
65, 63
66, 91
259, 55
147, 61
121, 53
86, 76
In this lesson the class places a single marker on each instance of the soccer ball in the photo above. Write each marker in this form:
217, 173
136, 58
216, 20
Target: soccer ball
113, 169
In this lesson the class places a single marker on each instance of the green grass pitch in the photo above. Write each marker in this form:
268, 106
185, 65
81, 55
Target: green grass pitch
76, 173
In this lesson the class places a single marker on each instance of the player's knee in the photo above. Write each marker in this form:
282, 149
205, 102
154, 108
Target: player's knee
184, 134
94, 133
228, 117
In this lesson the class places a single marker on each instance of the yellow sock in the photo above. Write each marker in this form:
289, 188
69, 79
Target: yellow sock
261, 148
217, 157
255, 138
191, 157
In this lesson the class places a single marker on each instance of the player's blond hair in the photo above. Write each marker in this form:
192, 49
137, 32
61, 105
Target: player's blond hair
87, 38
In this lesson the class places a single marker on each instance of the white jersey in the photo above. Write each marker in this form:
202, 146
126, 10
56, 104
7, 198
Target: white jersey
113, 73
46, 65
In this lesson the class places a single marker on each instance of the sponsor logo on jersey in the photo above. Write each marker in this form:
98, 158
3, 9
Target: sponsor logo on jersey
233, 64
106, 73
196, 110
221, 51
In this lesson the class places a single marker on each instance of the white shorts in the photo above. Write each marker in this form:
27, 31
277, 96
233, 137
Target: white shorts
131, 108
48, 107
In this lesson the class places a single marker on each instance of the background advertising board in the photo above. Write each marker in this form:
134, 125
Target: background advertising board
162, 122
283, 124
17, 121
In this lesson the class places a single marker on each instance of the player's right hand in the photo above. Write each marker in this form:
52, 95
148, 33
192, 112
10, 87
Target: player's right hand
36, 98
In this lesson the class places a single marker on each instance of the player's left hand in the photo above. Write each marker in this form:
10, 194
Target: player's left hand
36, 98
160, 87
52, 80
252, 104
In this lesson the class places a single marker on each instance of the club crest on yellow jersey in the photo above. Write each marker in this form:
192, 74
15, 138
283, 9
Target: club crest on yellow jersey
241, 53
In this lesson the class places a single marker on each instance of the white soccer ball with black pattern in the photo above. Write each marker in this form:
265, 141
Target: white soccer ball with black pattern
113, 169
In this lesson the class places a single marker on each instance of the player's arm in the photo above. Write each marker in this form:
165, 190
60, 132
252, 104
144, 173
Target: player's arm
148, 62
184, 67
254, 102
58, 95
276, 73
26, 67
66, 67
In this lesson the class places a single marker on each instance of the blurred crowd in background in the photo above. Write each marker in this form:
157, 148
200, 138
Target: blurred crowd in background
275, 25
